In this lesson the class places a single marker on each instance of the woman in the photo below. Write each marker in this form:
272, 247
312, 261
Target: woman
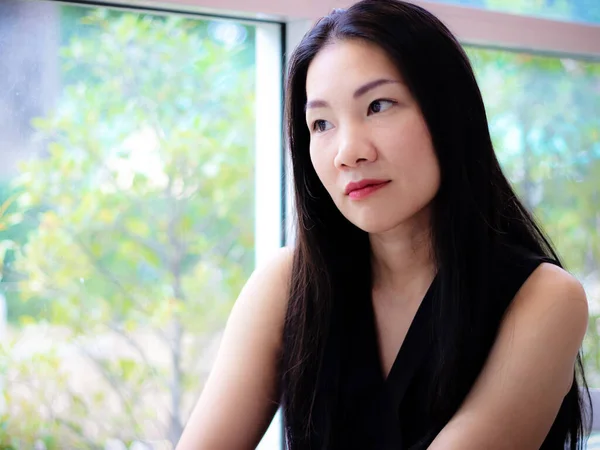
421, 306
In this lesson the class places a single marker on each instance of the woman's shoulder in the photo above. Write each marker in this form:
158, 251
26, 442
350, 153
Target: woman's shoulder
538, 283
529, 369
550, 287
528, 277
277, 267
269, 283
259, 312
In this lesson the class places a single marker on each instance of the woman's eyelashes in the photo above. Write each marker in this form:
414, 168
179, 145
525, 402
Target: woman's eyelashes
319, 125
381, 105
375, 107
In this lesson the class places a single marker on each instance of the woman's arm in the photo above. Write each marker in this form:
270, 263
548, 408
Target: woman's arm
518, 394
241, 394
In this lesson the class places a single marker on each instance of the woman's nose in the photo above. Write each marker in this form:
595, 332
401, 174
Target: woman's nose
354, 148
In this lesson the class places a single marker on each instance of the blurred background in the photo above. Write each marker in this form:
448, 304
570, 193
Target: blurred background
142, 178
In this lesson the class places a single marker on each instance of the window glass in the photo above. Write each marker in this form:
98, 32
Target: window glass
544, 115
127, 209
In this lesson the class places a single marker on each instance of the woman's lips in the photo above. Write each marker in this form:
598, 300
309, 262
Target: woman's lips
363, 189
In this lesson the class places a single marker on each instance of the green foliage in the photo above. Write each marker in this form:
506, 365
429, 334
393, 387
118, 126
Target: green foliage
545, 126
139, 222
545, 130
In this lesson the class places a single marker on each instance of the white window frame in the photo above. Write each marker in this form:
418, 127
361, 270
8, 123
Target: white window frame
472, 26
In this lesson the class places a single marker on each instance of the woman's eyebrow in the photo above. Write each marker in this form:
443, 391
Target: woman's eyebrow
372, 85
359, 92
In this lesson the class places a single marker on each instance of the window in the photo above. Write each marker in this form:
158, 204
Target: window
545, 123
139, 184
569, 10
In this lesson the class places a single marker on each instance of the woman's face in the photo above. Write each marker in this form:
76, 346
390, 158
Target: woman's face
369, 143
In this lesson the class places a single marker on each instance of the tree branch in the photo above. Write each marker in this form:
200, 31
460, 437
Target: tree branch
148, 243
112, 381
73, 427
105, 272
140, 351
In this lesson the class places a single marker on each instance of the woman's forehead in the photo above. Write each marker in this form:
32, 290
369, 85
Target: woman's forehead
346, 65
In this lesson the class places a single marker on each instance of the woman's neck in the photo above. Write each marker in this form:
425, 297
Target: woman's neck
402, 259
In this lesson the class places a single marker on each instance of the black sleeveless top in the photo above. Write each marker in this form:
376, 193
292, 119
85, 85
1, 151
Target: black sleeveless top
388, 413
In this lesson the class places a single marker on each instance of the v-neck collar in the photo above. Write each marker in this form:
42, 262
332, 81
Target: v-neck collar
409, 355
363, 396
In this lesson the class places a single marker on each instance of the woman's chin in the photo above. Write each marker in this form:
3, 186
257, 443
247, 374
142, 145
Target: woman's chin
373, 225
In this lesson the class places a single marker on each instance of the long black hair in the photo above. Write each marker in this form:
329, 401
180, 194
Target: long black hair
474, 211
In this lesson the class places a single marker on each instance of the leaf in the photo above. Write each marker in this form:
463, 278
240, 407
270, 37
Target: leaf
27, 320
128, 369
6, 204
137, 226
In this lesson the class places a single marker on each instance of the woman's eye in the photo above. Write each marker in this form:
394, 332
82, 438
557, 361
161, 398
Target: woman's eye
380, 105
321, 125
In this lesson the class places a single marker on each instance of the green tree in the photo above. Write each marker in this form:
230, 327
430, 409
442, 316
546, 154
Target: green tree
143, 212
545, 123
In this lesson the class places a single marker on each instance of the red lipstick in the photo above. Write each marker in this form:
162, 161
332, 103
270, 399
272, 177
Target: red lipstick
364, 188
